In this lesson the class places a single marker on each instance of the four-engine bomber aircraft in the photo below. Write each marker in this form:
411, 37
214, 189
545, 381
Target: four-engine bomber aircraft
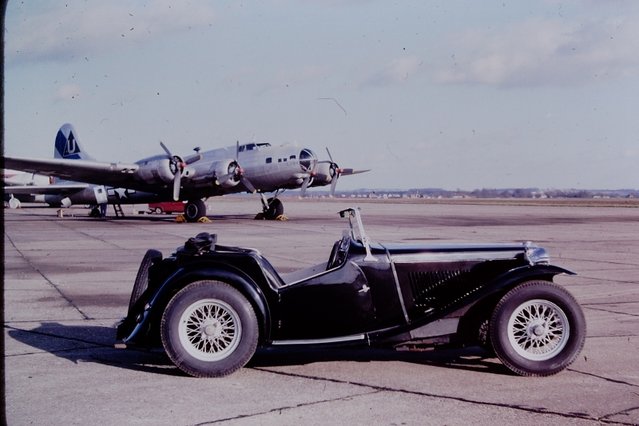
254, 167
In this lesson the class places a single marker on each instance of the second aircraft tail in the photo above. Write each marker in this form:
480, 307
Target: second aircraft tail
67, 145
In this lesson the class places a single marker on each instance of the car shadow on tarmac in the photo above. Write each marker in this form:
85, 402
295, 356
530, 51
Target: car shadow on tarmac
81, 343
89, 343
470, 359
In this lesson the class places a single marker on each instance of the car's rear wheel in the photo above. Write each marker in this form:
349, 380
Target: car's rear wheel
209, 329
537, 329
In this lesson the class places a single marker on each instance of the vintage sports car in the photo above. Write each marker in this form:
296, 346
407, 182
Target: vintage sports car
212, 306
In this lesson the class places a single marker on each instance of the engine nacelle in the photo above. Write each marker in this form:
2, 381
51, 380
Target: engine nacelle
156, 170
227, 173
324, 174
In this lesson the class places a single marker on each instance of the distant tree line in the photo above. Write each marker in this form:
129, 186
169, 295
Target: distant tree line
532, 193
488, 193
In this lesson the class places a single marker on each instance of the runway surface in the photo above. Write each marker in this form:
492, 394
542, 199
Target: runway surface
67, 281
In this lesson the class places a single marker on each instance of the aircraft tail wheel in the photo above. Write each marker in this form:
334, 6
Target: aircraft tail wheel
14, 203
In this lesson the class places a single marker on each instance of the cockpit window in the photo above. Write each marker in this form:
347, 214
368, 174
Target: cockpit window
253, 146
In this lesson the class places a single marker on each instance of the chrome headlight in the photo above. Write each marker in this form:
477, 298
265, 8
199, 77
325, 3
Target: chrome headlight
535, 255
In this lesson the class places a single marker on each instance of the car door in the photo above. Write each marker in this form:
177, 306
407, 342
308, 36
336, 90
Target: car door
331, 304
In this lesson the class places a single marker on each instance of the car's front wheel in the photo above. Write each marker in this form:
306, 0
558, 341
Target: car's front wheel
209, 329
537, 329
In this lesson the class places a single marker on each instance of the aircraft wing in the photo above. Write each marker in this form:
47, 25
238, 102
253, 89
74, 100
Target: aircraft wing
347, 172
96, 172
53, 189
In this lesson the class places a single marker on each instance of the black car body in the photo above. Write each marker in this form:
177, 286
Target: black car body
211, 306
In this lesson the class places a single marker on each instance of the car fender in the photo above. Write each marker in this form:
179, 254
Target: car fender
510, 279
188, 274
481, 306
488, 295
515, 276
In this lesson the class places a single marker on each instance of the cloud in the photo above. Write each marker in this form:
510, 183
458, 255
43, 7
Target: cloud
58, 33
301, 74
277, 78
68, 92
396, 71
544, 53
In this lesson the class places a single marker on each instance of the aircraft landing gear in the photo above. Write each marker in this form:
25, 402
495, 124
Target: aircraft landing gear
98, 211
272, 209
194, 210
95, 212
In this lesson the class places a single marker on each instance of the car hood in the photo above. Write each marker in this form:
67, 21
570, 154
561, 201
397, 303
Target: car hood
456, 251
400, 248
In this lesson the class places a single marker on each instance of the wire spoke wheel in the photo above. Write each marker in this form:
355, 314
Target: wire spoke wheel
538, 329
209, 330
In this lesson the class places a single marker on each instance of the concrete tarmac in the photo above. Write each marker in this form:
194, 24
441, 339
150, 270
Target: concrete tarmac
67, 281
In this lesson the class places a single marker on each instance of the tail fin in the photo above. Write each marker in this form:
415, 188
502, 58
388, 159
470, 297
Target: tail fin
67, 145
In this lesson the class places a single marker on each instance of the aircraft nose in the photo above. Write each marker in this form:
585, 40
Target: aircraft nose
308, 159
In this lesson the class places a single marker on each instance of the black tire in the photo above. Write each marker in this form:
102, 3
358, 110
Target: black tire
275, 209
194, 210
142, 277
95, 212
209, 329
537, 329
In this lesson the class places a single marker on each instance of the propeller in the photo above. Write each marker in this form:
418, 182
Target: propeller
335, 172
240, 171
309, 163
235, 171
307, 180
178, 168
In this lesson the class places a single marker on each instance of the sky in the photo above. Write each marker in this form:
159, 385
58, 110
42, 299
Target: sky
439, 94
